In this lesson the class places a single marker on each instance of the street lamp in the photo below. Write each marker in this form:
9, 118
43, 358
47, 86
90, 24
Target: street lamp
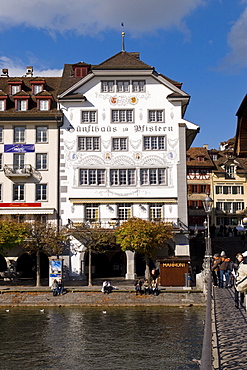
208, 206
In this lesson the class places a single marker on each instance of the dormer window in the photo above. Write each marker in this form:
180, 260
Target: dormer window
14, 86
37, 89
214, 157
230, 171
3, 99
188, 159
200, 158
44, 104
38, 85
44, 100
21, 101
22, 105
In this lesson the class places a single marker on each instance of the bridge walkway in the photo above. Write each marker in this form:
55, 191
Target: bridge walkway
230, 334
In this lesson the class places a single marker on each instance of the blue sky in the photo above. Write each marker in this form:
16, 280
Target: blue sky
201, 43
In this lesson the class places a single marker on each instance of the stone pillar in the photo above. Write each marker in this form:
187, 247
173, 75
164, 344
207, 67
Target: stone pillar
131, 268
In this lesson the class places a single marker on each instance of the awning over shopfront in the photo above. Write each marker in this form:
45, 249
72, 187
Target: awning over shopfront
25, 211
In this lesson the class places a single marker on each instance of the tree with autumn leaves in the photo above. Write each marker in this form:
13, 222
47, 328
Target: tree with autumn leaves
46, 238
142, 236
12, 234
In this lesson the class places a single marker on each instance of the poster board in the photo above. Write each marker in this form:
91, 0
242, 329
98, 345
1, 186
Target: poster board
55, 270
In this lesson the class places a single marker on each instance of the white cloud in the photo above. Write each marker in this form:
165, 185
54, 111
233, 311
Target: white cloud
237, 41
16, 68
89, 17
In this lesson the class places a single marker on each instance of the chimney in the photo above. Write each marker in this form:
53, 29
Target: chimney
29, 71
5, 72
205, 146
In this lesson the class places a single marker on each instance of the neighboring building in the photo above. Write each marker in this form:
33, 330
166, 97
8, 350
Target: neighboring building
199, 181
123, 151
240, 148
29, 150
224, 177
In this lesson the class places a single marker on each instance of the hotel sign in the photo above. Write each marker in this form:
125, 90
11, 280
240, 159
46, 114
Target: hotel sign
19, 148
174, 264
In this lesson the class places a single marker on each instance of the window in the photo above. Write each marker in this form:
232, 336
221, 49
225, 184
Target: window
229, 189
41, 192
15, 89
230, 171
88, 143
200, 158
155, 210
123, 86
44, 104
18, 192
107, 86
41, 161
1, 161
1, 192
154, 142
199, 189
123, 177
89, 116
124, 211
230, 207
37, 89
156, 116
154, 176
41, 134
138, 86
22, 105
1, 134
19, 160
92, 212
92, 177
122, 115
119, 143
2, 105
214, 157
19, 134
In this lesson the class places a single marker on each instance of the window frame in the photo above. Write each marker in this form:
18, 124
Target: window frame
43, 134
124, 211
123, 177
19, 134
95, 147
119, 141
106, 83
138, 82
153, 177
119, 112
158, 138
92, 173
92, 212
92, 116
43, 161
123, 84
41, 194
20, 188
156, 113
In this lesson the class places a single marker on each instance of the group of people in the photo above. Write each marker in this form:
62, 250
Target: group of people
57, 287
227, 273
146, 287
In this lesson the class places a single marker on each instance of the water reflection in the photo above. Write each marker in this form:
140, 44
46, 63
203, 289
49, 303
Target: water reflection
86, 338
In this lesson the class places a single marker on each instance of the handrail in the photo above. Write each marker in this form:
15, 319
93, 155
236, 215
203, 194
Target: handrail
206, 360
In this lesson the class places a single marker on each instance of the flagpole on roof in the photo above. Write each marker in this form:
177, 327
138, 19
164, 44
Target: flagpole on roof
123, 35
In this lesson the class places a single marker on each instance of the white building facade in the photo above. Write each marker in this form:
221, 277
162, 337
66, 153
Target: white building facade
123, 149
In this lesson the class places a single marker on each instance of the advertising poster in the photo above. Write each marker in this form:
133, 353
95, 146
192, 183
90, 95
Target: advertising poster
56, 268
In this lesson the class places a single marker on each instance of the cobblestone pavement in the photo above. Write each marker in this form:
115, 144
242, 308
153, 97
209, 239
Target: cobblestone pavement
231, 330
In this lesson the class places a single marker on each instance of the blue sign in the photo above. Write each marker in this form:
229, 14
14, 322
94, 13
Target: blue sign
19, 148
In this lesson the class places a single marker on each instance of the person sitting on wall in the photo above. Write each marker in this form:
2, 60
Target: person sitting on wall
54, 287
106, 288
154, 287
146, 286
138, 286
60, 287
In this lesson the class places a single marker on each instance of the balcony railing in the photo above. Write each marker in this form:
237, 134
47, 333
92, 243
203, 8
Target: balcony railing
14, 171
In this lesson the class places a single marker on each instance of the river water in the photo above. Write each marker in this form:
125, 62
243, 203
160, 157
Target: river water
90, 338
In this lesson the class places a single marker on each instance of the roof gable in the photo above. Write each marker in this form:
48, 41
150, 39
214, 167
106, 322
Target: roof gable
123, 60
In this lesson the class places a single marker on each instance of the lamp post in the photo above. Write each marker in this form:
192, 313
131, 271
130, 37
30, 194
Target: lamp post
208, 206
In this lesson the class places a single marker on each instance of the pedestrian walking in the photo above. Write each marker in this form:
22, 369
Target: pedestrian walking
224, 266
236, 264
